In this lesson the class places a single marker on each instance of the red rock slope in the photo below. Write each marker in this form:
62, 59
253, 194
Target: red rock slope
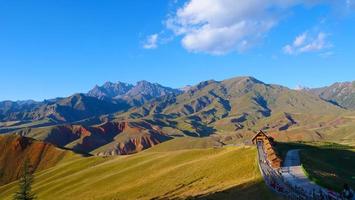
109, 138
15, 149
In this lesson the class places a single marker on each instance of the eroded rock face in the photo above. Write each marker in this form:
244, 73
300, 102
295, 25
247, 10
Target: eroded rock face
133, 145
16, 149
109, 138
20, 144
120, 138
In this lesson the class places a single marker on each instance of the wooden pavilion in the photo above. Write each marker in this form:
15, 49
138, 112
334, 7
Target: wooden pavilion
268, 145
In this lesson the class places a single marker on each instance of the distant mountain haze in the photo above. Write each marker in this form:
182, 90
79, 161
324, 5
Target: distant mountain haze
73, 108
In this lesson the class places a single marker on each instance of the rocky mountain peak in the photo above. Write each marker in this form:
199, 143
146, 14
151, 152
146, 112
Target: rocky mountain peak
147, 90
110, 90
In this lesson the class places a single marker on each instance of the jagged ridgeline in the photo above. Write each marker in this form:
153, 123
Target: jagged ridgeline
342, 94
119, 118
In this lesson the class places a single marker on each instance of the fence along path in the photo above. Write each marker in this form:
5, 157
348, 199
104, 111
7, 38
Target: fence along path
290, 181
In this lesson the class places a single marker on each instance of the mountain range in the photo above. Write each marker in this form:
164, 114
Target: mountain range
108, 98
120, 118
342, 94
135, 95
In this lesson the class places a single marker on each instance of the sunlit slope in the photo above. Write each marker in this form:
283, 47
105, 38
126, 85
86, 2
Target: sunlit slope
15, 149
155, 174
244, 104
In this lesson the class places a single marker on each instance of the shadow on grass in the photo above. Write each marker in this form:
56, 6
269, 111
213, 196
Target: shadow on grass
247, 191
328, 164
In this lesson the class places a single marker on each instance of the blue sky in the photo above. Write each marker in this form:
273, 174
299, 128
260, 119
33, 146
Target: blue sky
56, 48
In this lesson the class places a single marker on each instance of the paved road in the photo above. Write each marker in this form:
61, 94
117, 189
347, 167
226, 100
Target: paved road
290, 180
292, 158
294, 174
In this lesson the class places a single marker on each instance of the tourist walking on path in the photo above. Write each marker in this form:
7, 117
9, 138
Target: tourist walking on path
347, 193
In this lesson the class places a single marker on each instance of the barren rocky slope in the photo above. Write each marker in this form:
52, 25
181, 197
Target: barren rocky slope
16, 149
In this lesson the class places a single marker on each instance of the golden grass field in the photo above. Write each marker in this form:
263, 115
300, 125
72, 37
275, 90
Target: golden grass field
167, 172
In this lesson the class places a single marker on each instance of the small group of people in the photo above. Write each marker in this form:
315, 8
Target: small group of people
347, 193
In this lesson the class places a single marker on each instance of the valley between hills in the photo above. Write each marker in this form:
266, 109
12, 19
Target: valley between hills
148, 141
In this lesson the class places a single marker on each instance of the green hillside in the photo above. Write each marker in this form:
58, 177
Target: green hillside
237, 107
229, 111
328, 164
340, 93
162, 173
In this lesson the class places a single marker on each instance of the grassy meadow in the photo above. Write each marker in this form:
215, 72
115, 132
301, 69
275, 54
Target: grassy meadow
327, 164
162, 172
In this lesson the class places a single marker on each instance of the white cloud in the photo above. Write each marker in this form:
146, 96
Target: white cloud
222, 26
218, 40
151, 42
306, 42
300, 40
288, 49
